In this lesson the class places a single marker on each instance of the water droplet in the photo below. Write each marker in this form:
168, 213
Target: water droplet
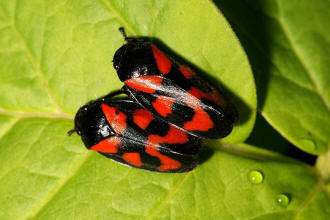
255, 177
283, 200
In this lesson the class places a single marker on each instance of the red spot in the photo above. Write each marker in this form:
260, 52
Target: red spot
109, 145
187, 72
142, 118
115, 118
213, 96
133, 158
148, 84
167, 162
201, 121
163, 105
173, 136
163, 63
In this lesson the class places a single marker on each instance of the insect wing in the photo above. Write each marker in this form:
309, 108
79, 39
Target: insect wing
204, 114
141, 140
154, 158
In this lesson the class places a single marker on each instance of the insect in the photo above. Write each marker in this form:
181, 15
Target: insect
172, 91
125, 132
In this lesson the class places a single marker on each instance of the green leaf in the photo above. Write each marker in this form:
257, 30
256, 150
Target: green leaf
47, 175
55, 57
288, 46
266, 137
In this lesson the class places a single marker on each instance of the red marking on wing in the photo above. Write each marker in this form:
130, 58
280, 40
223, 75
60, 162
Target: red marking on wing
163, 63
173, 136
167, 162
109, 145
187, 72
115, 118
213, 96
163, 105
142, 118
148, 84
201, 121
133, 158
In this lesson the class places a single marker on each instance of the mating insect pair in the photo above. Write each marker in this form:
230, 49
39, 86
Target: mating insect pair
160, 127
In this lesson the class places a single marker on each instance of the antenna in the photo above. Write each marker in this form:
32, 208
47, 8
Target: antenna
71, 132
122, 31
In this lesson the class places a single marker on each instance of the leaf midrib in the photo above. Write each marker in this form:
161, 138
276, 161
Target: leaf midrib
21, 115
317, 188
32, 59
53, 192
170, 194
252, 39
121, 19
308, 71
60, 114
259, 47
294, 50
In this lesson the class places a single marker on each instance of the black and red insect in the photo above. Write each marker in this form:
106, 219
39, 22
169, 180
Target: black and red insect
160, 124
172, 91
125, 132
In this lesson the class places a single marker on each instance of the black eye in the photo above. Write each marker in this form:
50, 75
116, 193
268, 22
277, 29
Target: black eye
116, 112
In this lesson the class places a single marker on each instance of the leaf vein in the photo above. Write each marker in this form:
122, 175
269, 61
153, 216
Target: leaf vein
121, 19
36, 115
29, 146
294, 50
310, 75
52, 193
32, 59
168, 196
12, 124
316, 189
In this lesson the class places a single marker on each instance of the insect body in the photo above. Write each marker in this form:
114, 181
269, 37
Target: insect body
129, 134
173, 91
168, 109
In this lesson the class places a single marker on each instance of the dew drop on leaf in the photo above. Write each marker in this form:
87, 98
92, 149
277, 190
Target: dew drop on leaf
255, 177
283, 200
